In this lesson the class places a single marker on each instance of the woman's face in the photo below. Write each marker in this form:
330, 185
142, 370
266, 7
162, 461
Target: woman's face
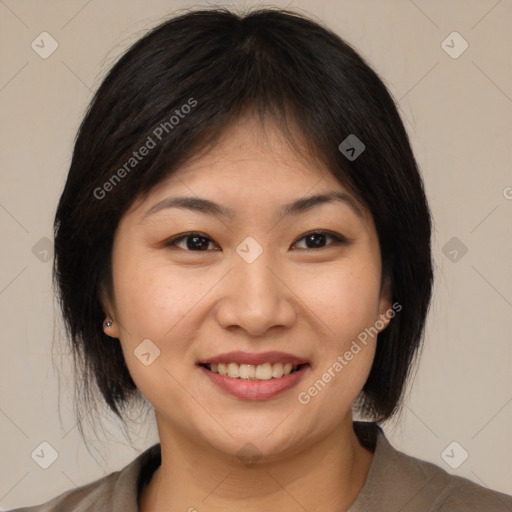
254, 282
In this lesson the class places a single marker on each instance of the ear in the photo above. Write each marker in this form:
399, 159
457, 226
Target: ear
110, 314
385, 300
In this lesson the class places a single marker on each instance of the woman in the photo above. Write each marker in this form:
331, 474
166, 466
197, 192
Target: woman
244, 241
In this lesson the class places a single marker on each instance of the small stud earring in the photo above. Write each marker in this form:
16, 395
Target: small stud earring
108, 323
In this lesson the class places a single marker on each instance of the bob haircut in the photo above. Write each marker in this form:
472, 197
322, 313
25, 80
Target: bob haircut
173, 92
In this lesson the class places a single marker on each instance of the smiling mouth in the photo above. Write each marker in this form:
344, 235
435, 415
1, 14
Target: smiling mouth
265, 371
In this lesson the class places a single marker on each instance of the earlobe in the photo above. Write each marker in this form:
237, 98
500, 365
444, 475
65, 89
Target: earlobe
110, 328
383, 321
385, 310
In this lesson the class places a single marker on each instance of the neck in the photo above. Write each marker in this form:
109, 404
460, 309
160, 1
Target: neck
193, 477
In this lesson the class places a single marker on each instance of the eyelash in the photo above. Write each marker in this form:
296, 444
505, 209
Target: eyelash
338, 239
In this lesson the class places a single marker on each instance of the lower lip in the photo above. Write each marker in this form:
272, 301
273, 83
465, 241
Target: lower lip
252, 389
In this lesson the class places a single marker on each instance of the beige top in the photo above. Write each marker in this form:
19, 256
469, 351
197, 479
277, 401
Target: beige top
396, 483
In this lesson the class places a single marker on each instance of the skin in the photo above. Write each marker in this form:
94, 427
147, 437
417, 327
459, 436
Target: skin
194, 304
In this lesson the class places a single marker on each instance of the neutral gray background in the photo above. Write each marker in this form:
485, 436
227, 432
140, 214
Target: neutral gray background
458, 112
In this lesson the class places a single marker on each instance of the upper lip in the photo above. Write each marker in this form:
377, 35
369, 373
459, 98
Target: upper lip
254, 358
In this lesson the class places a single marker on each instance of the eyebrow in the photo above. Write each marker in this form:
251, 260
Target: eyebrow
209, 207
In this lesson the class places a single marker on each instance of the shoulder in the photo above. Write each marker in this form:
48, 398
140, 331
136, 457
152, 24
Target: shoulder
444, 492
401, 482
82, 499
116, 491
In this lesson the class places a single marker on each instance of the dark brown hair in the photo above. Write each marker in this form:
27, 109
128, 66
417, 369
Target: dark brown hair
224, 65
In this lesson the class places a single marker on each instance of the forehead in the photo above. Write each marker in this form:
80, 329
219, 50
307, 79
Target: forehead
252, 166
264, 151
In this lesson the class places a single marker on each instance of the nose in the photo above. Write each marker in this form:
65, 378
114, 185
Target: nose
256, 297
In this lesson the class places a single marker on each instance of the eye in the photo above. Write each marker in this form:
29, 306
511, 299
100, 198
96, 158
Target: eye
194, 241
316, 239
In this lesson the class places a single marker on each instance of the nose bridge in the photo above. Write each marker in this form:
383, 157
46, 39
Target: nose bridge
255, 298
256, 275
254, 280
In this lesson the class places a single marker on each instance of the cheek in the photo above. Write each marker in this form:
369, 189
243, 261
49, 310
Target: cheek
345, 299
152, 303
346, 302
152, 297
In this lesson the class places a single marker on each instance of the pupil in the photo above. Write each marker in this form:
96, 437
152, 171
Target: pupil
195, 242
316, 242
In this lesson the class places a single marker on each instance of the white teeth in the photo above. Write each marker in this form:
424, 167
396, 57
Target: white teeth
277, 370
264, 371
233, 370
246, 371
